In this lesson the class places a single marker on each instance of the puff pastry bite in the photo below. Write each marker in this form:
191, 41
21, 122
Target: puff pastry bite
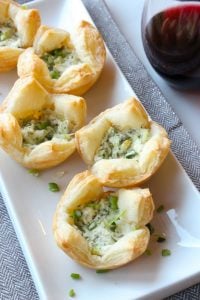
122, 145
102, 230
37, 128
65, 63
18, 27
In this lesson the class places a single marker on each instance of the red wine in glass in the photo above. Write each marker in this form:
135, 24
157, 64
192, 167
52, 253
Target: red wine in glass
172, 44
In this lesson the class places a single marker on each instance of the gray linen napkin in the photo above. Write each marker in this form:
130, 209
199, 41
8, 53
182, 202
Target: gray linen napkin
15, 279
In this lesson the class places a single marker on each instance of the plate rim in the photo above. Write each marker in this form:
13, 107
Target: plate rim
181, 284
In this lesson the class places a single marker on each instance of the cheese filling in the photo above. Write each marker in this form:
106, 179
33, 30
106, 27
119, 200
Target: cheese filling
127, 144
58, 60
46, 127
8, 35
101, 223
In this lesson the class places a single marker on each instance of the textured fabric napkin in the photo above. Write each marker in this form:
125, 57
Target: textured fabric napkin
15, 279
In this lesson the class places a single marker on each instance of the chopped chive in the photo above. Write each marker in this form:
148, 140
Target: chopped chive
95, 251
57, 52
135, 227
43, 125
166, 252
53, 187
72, 293
75, 276
131, 154
60, 174
161, 239
2, 37
160, 208
34, 172
151, 228
148, 252
24, 6
76, 214
55, 74
113, 202
118, 216
102, 271
92, 225
113, 226
126, 144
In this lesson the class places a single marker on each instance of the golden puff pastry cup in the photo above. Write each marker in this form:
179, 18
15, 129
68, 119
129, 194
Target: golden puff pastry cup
37, 128
65, 63
122, 146
102, 230
18, 27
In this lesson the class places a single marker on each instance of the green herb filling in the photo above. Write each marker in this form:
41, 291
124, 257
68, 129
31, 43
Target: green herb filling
58, 60
101, 223
127, 144
8, 35
47, 127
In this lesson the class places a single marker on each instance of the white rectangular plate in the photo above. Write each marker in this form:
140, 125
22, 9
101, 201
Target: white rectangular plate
31, 206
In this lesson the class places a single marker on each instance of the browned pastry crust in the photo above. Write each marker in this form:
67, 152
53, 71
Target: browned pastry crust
28, 99
137, 206
26, 22
75, 79
122, 172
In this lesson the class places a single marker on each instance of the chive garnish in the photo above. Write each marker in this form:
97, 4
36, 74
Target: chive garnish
160, 208
151, 228
161, 239
42, 125
116, 218
2, 37
95, 251
113, 202
113, 226
53, 187
76, 214
75, 276
72, 293
55, 74
136, 227
93, 205
131, 154
102, 271
92, 225
166, 252
34, 172
148, 252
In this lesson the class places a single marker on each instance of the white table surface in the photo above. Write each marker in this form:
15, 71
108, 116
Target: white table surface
127, 15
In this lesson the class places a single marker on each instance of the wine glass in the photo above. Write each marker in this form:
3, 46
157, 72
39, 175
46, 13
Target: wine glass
171, 40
